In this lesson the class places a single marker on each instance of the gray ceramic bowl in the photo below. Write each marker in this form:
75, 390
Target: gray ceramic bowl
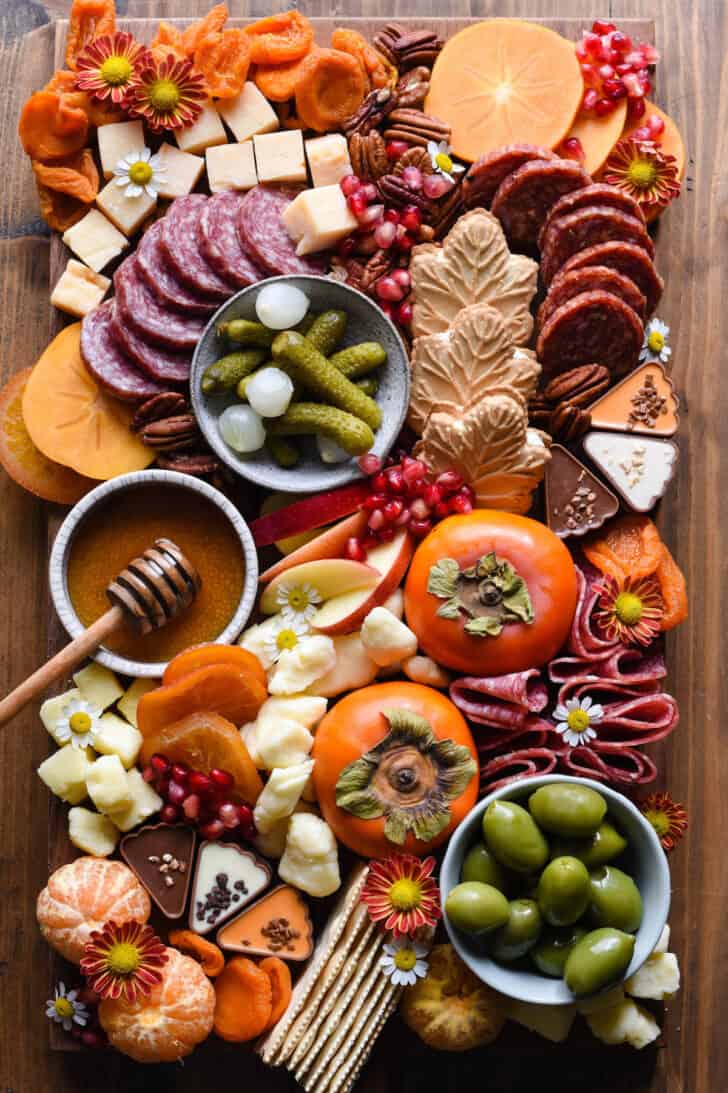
58, 568
648, 866
367, 322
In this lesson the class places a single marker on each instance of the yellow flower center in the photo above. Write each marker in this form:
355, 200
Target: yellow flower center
164, 95
642, 174
659, 821
286, 639
140, 172
123, 958
443, 161
298, 599
405, 894
578, 720
63, 1008
628, 608
79, 722
116, 70
656, 341
405, 959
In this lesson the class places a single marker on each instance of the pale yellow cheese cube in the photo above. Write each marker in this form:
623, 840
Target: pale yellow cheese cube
328, 159
108, 784
202, 134
79, 290
127, 213
248, 114
91, 832
113, 736
98, 685
279, 157
65, 772
231, 167
318, 219
95, 240
52, 710
127, 704
144, 803
181, 171
123, 138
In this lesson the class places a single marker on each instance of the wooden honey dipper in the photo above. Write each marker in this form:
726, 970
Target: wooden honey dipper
153, 589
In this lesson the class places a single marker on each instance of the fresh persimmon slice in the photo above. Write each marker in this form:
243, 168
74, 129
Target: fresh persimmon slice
505, 81
25, 464
199, 656
72, 421
598, 136
226, 689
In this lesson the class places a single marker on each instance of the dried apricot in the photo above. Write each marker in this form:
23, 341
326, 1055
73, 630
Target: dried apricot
207, 954
278, 39
628, 546
674, 592
351, 41
51, 128
88, 19
77, 176
59, 211
280, 980
168, 39
224, 689
212, 23
330, 89
278, 82
224, 60
243, 1001
198, 656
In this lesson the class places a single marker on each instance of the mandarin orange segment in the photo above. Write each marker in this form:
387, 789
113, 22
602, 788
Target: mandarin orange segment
167, 1024
199, 656
628, 546
278, 39
243, 1001
674, 591
225, 689
280, 980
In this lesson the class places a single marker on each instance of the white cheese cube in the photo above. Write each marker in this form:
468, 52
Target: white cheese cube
206, 131
328, 159
280, 795
552, 1022
318, 219
108, 785
626, 1023
127, 704
52, 710
231, 167
127, 213
98, 685
65, 772
116, 737
386, 638
181, 171
249, 113
658, 978
279, 157
144, 803
116, 141
95, 240
79, 290
91, 832
310, 860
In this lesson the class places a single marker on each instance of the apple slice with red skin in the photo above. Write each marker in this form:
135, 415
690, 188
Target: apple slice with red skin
346, 612
329, 544
313, 512
330, 577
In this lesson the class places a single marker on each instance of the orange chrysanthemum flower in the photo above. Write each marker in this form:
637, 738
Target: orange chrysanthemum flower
109, 67
644, 172
169, 95
400, 892
123, 961
669, 819
630, 610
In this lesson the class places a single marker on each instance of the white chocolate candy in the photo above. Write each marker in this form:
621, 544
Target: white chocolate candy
245, 877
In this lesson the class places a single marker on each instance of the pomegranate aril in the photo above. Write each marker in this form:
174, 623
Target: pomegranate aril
148, 774
621, 42
603, 107
160, 764
212, 830
404, 243
385, 233
395, 480
355, 551
245, 816
392, 510
420, 528
467, 491
645, 85
411, 218
641, 133
606, 72
412, 178
369, 191
191, 806
221, 778
572, 148
169, 814
93, 1039
386, 535
460, 504
346, 247
162, 786
623, 69
591, 98
632, 82
357, 203
413, 471
349, 185
376, 520
636, 108
395, 149
432, 495
419, 509
371, 217
588, 72
369, 542
601, 26
176, 793
369, 463
392, 216
655, 125
592, 43
403, 314
442, 509
179, 773
197, 782
449, 481
403, 519
435, 186
228, 814
387, 289
615, 89
402, 278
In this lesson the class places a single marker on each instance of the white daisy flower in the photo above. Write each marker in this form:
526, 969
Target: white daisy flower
65, 1009
78, 722
442, 161
404, 961
287, 633
655, 347
298, 601
575, 718
140, 172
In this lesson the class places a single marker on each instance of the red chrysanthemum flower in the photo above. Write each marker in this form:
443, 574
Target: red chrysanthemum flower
644, 172
123, 960
109, 67
400, 892
630, 610
169, 95
669, 819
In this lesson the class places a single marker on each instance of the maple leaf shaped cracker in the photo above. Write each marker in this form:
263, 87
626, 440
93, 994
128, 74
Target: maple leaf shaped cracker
472, 266
455, 368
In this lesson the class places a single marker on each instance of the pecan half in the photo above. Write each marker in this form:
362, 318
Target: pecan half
579, 386
415, 127
379, 265
171, 434
447, 211
568, 422
415, 157
374, 109
407, 48
368, 155
412, 88
394, 191
165, 404
197, 464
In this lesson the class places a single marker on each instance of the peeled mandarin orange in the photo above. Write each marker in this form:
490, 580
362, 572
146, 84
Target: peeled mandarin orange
199, 656
170, 1022
227, 689
598, 136
83, 896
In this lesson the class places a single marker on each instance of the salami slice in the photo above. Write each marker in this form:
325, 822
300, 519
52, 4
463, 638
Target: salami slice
524, 197
626, 258
500, 701
138, 308
598, 193
586, 228
163, 365
485, 175
154, 267
593, 326
181, 242
220, 241
628, 768
265, 238
588, 279
107, 362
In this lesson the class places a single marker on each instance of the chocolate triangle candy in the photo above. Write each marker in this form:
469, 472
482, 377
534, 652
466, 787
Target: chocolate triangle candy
226, 879
639, 467
644, 402
162, 856
576, 501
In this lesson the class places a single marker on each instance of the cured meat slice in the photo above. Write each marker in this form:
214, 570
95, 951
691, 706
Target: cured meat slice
500, 701
107, 362
138, 308
524, 197
566, 285
485, 175
586, 228
154, 267
515, 766
598, 193
627, 768
220, 240
181, 242
626, 258
593, 326
264, 235
163, 365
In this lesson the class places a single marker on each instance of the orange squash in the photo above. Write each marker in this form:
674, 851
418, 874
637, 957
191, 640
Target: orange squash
391, 736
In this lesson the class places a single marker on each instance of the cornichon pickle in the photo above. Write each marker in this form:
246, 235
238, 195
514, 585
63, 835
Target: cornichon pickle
369, 385
226, 373
358, 360
285, 454
306, 323
349, 432
246, 332
326, 331
324, 379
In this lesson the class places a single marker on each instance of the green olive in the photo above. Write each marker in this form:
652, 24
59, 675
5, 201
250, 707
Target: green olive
520, 933
476, 908
598, 959
566, 809
511, 834
552, 949
563, 891
614, 899
605, 844
480, 865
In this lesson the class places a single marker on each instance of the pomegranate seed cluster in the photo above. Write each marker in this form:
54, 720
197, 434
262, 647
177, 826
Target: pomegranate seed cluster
406, 494
614, 67
202, 800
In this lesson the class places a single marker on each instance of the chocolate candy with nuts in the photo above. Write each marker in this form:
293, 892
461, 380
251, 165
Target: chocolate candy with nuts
162, 856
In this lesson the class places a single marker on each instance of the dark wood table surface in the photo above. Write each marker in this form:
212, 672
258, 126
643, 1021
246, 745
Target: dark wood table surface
692, 245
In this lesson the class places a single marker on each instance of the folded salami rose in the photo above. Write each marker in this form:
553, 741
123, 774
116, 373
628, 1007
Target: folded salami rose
500, 701
627, 768
584, 639
515, 765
